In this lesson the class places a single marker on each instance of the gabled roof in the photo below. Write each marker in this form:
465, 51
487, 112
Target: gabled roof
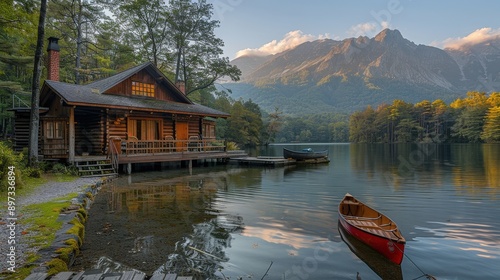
92, 94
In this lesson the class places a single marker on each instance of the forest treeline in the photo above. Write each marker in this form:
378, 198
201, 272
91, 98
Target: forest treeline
103, 37
472, 119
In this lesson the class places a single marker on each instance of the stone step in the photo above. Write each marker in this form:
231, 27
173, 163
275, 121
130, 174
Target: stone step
99, 275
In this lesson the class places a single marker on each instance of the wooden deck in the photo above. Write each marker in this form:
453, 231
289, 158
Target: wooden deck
99, 275
274, 161
177, 156
262, 161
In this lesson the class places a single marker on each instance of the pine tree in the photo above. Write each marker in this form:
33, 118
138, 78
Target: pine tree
491, 129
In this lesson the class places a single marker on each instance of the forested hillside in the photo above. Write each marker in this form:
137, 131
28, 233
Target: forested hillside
473, 119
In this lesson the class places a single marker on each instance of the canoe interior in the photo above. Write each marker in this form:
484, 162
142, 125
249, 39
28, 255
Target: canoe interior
366, 218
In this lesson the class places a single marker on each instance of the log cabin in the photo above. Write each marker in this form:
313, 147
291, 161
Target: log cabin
135, 116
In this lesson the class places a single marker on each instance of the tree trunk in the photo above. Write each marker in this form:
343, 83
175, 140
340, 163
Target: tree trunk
35, 89
78, 64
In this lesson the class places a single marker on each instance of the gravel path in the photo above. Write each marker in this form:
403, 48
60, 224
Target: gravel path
43, 193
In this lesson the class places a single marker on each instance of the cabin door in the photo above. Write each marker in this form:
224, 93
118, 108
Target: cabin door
181, 133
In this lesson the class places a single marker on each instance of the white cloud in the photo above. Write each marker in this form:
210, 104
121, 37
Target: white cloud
369, 29
476, 37
289, 41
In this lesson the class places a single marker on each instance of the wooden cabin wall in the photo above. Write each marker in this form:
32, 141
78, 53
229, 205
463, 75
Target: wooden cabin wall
89, 131
22, 130
168, 127
55, 147
194, 127
116, 124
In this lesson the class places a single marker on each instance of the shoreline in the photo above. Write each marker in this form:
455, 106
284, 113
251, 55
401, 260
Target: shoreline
25, 247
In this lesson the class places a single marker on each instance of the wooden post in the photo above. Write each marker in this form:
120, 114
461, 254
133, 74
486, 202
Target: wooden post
71, 148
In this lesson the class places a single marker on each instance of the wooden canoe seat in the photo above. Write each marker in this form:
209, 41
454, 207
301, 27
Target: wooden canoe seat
350, 218
372, 227
350, 202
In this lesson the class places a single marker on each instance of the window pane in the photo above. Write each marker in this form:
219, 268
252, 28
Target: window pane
143, 89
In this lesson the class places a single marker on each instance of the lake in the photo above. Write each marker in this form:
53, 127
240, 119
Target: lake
234, 222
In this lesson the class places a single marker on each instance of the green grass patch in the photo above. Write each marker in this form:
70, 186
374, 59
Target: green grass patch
30, 184
43, 225
42, 219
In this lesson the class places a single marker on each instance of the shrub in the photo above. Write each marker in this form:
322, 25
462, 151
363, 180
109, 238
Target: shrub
232, 146
8, 158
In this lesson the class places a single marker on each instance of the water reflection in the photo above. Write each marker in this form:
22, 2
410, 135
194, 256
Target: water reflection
233, 222
138, 222
475, 238
472, 165
201, 254
378, 263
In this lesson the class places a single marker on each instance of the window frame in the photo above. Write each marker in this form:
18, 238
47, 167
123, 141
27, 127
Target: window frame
139, 88
54, 129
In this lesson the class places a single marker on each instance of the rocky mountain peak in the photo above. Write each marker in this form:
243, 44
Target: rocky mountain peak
389, 35
355, 70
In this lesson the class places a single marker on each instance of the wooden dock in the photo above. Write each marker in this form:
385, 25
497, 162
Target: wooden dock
274, 161
263, 161
99, 275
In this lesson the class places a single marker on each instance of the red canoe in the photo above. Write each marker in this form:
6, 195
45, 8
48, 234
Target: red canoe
372, 228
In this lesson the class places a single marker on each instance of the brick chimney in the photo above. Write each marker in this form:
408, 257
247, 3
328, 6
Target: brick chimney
53, 59
181, 85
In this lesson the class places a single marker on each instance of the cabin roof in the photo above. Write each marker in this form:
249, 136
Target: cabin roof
92, 95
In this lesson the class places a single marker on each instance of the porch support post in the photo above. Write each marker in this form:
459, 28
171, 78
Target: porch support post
129, 168
71, 152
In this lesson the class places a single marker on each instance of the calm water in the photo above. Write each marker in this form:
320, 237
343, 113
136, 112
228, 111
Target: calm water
231, 221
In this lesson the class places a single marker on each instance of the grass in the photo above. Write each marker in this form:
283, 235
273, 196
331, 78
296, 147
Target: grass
30, 184
40, 218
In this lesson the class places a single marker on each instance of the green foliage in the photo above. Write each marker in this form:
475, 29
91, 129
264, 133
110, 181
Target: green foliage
491, 128
245, 124
56, 265
9, 161
232, 146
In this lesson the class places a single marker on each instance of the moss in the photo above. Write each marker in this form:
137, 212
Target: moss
77, 229
89, 195
43, 220
81, 217
73, 245
64, 253
57, 265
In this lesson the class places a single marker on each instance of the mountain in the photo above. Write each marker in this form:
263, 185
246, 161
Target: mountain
479, 64
350, 74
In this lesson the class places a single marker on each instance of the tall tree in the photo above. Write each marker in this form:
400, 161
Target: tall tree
78, 23
17, 23
198, 51
273, 126
147, 21
35, 91
491, 129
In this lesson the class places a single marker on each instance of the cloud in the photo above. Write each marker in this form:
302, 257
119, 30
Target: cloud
289, 41
369, 29
476, 37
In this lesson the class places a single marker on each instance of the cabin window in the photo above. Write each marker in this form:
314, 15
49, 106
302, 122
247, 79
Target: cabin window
54, 130
144, 129
208, 131
143, 89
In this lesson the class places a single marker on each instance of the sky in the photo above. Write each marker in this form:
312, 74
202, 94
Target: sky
270, 26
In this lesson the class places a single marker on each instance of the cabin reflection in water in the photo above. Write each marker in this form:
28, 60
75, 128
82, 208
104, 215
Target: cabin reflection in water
166, 204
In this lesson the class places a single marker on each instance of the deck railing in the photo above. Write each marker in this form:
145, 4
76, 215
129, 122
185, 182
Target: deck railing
114, 153
134, 147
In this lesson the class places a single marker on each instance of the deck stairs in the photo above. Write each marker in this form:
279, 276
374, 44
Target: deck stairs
95, 168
